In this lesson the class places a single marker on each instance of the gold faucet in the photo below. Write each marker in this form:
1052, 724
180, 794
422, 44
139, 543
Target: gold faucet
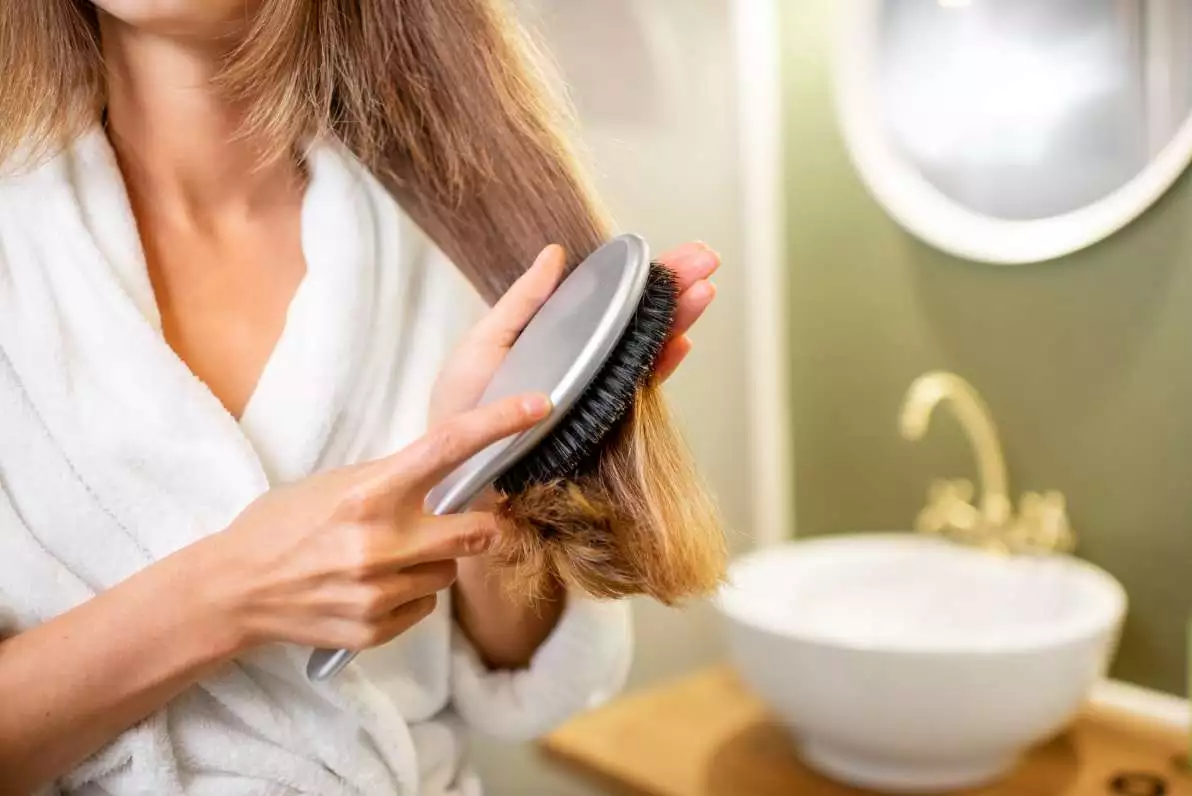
1041, 524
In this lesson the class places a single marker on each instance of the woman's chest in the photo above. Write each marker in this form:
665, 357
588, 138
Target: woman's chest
224, 297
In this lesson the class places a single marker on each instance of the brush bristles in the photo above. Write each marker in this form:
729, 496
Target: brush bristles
570, 449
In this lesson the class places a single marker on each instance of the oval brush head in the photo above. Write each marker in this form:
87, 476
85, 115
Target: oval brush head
573, 444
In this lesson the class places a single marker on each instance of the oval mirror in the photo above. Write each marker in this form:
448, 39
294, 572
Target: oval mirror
1016, 131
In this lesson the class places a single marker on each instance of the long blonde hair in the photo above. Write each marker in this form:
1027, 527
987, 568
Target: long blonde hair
445, 102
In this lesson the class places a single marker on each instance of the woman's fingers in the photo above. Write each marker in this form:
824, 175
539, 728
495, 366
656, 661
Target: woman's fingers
434, 456
358, 636
447, 538
377, 597
505, 321
673, 354
417, 468
690, 263
692, 305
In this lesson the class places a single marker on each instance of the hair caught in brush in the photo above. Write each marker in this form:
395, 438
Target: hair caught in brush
444, 100
639, 523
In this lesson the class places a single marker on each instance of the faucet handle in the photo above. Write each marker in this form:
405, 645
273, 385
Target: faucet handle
949, 509
1054, 510
1042, 525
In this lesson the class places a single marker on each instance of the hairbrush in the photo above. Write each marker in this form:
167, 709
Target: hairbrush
590, 346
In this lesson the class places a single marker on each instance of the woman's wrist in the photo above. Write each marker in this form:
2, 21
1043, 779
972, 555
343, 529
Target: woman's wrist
506, 629
211, 605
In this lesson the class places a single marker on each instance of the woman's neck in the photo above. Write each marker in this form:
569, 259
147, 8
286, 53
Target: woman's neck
177, 140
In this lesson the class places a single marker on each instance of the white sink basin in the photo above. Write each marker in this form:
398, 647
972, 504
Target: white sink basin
907, 663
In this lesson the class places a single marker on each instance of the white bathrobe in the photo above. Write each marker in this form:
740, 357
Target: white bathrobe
114, 455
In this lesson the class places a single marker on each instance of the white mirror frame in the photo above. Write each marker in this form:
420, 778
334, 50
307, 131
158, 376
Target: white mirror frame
939, 221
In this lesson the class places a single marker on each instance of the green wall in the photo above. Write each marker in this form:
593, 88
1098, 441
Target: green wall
1085, 362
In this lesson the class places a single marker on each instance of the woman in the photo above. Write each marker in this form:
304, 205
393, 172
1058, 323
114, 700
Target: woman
216, 327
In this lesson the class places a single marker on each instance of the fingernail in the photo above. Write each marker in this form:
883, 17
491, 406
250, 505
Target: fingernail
536, 405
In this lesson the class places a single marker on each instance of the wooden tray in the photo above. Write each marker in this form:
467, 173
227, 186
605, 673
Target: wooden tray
707, 736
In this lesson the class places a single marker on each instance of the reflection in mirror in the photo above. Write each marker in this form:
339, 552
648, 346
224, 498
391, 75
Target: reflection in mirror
1021, 109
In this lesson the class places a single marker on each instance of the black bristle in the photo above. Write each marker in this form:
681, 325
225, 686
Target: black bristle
571, 447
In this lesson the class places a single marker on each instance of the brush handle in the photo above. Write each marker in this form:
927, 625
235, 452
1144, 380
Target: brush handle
325, 664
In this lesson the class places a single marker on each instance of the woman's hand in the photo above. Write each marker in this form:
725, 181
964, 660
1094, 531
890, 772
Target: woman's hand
347, 558
474, 361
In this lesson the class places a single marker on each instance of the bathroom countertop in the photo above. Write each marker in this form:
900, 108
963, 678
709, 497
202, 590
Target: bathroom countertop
706, 735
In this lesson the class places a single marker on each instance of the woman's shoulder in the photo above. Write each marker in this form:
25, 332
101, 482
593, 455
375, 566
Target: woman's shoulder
17, 194
16, 177
26, 183
28, 187
28, 162
41, 164
21, 198
32, 183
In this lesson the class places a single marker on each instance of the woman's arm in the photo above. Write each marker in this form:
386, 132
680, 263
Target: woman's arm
71, 685
504, 631
346, 558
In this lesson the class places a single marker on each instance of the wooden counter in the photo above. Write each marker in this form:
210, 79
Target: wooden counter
707, 736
